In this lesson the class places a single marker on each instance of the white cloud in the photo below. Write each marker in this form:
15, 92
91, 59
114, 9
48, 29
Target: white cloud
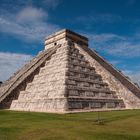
29, 24
31, 14
19, 4
127, 49
10, 63
114, 62
135, 76
51, 3
115, 45
127, 72
105, 37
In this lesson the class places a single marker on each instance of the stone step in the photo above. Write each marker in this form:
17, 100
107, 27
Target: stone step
84, 99
86, 80
80, 57
93, 97
85, 75
36, 77
62, 64
23, 94
70, 87
52, 70
79, 64
86, 84
29, 85
89, 103
97, 105
77, 93
76, 59
84, 72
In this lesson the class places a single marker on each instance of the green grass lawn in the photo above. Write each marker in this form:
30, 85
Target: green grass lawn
118, 125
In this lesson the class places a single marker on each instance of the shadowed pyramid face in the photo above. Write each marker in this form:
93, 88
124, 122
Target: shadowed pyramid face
68, 77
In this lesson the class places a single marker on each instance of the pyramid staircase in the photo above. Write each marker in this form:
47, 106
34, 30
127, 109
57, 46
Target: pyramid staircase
68, 77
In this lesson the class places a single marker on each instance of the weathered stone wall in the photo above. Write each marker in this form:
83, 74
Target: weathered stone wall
85, 88
67, 82
46, 93
131, 101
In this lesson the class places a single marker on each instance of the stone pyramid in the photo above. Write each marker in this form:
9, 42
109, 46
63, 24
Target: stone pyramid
67, 76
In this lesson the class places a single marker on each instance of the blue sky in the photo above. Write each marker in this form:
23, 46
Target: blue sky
112, 26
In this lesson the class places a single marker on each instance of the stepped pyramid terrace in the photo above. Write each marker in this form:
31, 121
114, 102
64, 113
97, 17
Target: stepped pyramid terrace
67, 76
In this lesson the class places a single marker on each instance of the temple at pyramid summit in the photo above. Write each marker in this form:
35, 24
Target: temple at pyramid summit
67, 76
